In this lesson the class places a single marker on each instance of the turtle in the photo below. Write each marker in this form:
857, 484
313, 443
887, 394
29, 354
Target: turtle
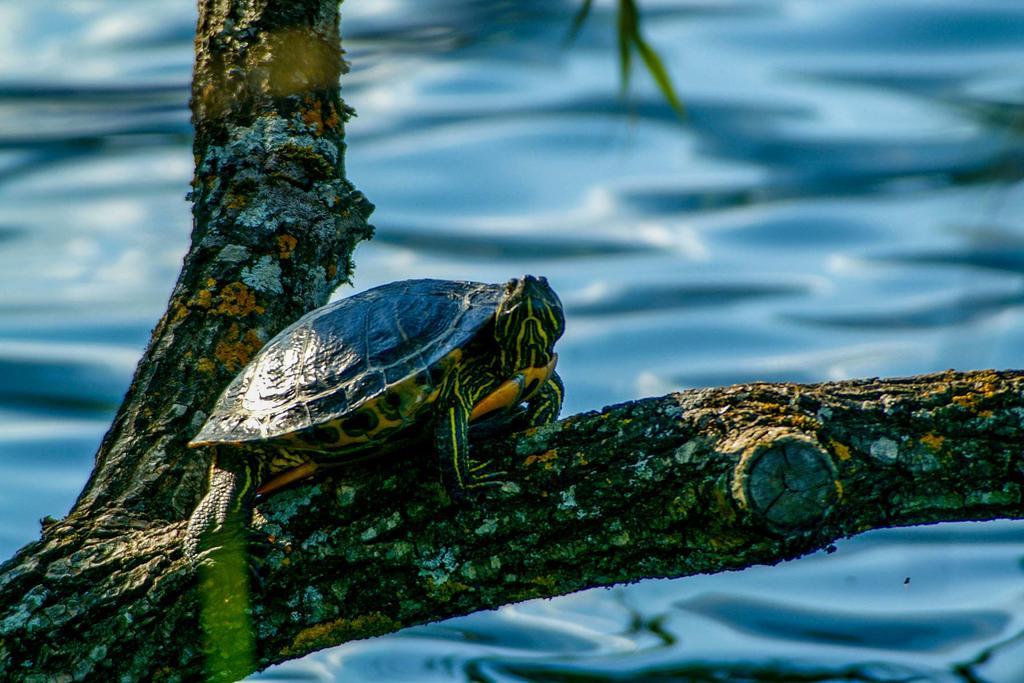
374, 372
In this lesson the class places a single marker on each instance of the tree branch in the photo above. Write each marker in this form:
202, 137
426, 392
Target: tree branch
687, 483
274, 225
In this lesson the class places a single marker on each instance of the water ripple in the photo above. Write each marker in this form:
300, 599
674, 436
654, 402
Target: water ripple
959, 310
922, 632
641, 298
55, 378
503, 247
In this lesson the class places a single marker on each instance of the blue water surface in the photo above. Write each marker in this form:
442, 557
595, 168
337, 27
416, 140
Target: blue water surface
842, 199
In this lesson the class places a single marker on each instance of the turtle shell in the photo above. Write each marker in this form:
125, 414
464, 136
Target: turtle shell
348, 354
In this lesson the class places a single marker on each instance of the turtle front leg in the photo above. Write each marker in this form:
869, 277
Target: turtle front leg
459, 472
543, 407
451, 440
227, 506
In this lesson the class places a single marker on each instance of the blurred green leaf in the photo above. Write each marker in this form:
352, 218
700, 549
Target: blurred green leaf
226, 613
631, 38
627, 29
659, 74
578, 21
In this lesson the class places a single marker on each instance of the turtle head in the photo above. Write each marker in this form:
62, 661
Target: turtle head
527, 323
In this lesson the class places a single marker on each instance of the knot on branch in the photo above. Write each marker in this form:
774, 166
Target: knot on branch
787, 478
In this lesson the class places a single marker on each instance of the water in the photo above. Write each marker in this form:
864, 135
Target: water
843, 199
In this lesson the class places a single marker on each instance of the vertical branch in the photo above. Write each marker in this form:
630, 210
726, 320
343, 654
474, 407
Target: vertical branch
275, 223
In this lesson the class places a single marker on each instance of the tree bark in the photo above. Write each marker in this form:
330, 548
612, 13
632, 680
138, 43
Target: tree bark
688, 483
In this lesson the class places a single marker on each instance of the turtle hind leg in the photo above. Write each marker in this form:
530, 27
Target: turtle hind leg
225, 512
544, 406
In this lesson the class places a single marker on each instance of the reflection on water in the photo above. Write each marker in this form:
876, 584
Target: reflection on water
841, 200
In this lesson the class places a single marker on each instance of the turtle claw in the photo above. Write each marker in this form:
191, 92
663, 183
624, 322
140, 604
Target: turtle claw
476, 486
483, 475
481, 478
481, 470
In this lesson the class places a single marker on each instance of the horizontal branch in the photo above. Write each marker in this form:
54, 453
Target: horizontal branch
688, 483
